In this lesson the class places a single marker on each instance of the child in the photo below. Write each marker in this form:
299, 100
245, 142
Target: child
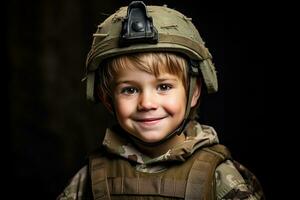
147, 65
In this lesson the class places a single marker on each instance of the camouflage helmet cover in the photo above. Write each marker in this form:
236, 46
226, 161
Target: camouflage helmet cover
175, 32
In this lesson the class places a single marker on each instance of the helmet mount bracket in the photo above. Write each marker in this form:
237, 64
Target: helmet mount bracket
137, 26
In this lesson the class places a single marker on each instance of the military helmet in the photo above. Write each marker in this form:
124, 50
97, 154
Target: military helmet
141, 28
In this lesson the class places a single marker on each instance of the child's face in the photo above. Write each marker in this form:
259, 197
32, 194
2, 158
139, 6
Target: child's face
149, 107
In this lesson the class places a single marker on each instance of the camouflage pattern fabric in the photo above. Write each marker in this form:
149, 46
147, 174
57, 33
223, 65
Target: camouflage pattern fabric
77, 186
233, 181
253, 184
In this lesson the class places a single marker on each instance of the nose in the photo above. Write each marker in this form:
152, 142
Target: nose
147, 101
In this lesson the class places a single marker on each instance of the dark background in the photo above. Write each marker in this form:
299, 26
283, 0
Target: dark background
49, 127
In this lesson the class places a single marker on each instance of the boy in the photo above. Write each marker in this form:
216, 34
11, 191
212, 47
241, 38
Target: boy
147, 65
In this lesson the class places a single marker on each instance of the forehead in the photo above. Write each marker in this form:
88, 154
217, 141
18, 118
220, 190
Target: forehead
131, 75
153, 63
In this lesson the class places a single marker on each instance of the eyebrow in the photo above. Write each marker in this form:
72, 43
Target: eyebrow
158, 79
125, 81
167, 79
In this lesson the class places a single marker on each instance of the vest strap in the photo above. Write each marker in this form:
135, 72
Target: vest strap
201, 180
99, 179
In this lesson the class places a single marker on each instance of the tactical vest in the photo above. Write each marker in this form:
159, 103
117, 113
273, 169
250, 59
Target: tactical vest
116, 178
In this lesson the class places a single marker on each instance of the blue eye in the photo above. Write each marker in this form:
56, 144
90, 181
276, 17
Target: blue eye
164, 87
129, 90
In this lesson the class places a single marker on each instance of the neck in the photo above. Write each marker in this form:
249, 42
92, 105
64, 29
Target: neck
160, 149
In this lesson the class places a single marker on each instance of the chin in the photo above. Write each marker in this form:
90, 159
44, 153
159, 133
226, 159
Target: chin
151, 139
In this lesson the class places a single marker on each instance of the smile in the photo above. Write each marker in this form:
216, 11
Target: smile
149, 121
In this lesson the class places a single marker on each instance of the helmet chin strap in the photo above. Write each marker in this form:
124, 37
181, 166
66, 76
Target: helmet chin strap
193, 72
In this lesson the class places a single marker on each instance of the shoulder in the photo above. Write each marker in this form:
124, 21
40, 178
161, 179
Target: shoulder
76, 186
231, 183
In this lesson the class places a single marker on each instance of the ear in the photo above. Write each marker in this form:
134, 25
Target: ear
197, 93
105, 100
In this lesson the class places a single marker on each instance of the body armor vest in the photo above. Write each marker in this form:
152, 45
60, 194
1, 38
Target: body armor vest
113, 177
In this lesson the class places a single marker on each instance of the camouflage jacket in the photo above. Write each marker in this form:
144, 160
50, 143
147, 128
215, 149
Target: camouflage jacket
233, 181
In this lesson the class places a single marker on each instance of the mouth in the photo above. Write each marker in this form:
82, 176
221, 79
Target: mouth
149, 121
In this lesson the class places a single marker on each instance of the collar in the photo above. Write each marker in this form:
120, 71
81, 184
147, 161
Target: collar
197, 136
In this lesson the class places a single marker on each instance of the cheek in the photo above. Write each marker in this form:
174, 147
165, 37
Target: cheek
122, 108
175, 105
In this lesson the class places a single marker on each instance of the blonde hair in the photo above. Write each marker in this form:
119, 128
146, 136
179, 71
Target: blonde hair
154, 63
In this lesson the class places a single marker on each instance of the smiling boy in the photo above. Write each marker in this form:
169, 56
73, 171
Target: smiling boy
147, 65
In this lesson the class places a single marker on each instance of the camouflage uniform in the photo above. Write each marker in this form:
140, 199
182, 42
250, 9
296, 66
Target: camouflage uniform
230, 183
